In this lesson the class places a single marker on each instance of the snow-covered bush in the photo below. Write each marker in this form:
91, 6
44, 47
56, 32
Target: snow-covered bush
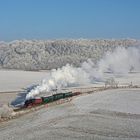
111, 83
5, 111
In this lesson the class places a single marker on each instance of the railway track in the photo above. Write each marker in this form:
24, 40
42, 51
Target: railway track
86, 90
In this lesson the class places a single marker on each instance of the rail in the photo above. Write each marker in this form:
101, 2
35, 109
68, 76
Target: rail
85, 90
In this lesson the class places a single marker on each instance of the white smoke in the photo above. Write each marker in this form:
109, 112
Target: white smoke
121, 60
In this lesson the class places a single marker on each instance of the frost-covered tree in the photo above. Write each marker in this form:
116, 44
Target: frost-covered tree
48, 54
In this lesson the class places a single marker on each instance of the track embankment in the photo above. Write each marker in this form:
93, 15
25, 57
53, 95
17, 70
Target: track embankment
85, 90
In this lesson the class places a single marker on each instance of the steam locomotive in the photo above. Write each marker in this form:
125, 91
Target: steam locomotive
44, 100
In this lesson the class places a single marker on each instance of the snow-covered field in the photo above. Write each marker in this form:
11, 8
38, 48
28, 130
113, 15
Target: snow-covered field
111, 114
14, 81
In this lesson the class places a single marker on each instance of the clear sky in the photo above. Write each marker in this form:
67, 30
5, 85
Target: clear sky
50, 19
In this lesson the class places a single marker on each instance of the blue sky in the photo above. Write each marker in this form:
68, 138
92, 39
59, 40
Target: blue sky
51, 19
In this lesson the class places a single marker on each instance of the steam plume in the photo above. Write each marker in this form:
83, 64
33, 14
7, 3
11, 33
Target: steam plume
121, 60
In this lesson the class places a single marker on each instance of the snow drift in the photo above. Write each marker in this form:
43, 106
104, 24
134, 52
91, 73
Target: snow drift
121, 60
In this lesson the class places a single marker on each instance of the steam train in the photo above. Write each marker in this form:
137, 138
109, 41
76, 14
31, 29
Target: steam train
44, 100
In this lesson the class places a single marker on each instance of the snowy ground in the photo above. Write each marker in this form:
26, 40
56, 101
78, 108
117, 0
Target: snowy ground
13, 81
125, 79
111, 114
